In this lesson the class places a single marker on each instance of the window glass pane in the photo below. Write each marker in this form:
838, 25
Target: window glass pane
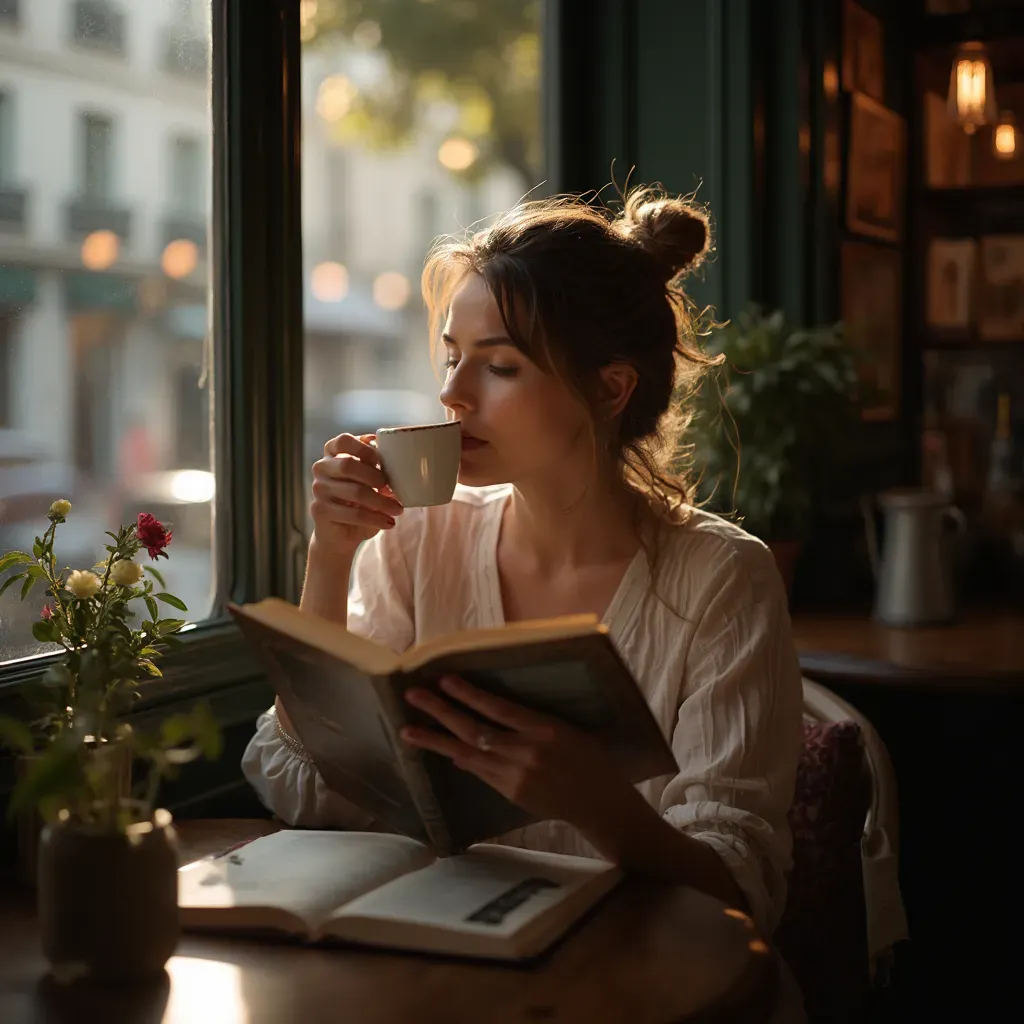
419, 119
105, 157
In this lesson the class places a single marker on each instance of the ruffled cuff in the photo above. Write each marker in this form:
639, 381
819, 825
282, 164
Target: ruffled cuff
287, 782
757, 855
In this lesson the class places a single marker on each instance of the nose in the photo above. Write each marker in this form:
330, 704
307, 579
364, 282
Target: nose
456, 393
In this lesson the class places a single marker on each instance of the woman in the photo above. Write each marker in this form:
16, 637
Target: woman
570, 352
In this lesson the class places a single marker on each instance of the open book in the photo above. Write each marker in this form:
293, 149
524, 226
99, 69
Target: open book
385, 890
345, 697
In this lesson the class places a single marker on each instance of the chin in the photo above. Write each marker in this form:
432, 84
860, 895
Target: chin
478, 476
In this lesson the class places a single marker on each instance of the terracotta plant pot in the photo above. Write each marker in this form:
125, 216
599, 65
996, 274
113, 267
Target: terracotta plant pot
786, 553
108, 901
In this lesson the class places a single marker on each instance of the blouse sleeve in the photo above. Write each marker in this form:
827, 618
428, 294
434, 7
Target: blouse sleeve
380, 607
738, 733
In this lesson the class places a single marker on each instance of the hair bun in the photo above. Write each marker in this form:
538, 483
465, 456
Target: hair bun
674, 231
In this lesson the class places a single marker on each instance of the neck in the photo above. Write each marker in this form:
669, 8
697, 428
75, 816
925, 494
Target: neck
546, 524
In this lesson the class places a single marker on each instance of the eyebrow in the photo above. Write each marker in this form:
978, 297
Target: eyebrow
494, 342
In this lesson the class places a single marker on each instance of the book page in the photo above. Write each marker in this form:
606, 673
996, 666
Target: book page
309, 874
490, 892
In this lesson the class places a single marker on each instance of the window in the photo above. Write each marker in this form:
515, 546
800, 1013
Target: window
6, 137
429, 147
103, 404
187, 175
97, 157
100, 24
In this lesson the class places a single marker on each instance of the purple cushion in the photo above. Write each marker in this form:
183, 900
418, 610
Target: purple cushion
823, 933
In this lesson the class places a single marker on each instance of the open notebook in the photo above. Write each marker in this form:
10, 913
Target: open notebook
379, 889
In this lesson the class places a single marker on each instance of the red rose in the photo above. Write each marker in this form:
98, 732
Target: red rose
47, 613
152, 535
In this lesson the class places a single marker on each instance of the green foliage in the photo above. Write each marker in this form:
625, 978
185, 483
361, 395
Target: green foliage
780, 401
482, 57
79, 734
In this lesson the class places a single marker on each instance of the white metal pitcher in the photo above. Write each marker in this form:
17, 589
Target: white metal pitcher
914, 580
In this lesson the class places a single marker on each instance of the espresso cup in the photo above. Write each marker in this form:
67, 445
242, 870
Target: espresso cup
421, 463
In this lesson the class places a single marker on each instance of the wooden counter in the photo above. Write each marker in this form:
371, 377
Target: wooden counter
982, 650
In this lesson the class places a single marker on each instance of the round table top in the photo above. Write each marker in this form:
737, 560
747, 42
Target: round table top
648, 953
981, 651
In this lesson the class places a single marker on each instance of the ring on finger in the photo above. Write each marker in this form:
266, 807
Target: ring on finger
485, 740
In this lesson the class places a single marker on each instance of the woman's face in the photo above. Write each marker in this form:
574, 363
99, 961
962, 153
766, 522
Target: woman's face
519, 423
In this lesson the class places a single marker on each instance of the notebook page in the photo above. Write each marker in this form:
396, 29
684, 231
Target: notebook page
308, 873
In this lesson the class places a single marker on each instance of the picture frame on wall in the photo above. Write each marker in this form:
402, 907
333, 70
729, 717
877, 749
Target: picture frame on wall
875, 173
871, 299
947, 147
863, 52
950, 285
1001, 288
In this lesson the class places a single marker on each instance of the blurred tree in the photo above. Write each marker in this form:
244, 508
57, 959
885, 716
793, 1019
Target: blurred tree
480, 58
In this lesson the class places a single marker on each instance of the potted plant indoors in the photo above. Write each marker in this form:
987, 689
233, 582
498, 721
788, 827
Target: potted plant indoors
106, 868
763, 417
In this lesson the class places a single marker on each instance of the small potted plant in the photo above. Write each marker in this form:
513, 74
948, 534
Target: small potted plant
106, 869
764, 416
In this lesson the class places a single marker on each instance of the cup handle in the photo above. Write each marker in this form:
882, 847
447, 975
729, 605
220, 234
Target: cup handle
957, 517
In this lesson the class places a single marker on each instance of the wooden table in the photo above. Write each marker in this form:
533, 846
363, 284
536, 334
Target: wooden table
981, 651
647, 955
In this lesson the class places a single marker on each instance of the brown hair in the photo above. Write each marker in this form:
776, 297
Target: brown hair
580, 287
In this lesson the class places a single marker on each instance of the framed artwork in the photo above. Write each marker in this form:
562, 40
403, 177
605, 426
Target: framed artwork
871, 289
875, 170
950, 286
947, 147
1001, 291
863, 53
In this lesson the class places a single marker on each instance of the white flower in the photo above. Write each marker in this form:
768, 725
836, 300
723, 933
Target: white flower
83, 583
61, 507
125, 572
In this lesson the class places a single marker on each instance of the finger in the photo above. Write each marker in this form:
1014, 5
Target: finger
326, 510
346, 444
347, 492
497, 709
448, 746
457, 722
348, 467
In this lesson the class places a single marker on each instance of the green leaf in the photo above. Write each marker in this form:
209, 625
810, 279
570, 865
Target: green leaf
30, 582
57, 675
37, 572
45, 632
37, 548
55, 775
173, 642
14, 558
15, 735
174, 602
170, 625
148, 667
10, 579
151, 605
157, 576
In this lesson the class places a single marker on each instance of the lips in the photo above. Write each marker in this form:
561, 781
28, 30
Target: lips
470, 442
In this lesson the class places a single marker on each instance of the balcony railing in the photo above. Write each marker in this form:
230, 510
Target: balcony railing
185, 55
186, 226
12, 208
10, 12
83, 216
100, 24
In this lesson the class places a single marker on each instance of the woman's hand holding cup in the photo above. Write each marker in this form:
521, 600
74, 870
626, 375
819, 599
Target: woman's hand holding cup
351, 498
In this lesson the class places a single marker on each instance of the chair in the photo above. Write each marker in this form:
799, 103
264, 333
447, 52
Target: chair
844, 913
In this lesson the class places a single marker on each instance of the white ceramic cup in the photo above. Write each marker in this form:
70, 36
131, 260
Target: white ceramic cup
421, 463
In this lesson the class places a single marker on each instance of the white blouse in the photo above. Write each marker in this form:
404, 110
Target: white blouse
719, 672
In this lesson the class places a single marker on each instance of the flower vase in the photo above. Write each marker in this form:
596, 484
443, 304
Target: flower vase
30, 823
108, 899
